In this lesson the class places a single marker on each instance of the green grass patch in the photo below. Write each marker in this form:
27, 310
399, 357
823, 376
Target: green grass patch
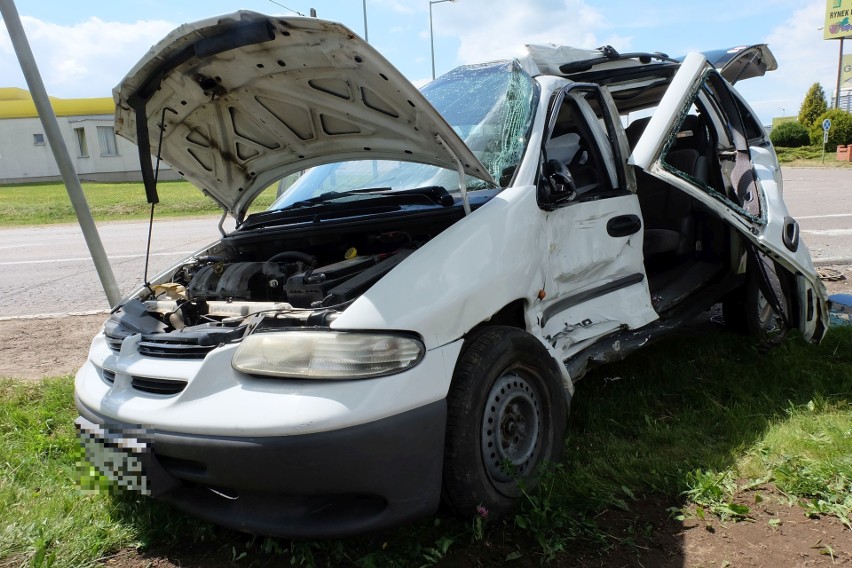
46, 519
47, 203
695, 419
809, 157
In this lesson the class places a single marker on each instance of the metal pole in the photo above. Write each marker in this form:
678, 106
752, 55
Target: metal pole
839, 69
432, 40
366, 35
431, 34
60, 151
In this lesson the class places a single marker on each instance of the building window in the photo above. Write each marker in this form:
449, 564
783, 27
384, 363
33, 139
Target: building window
106, 138
82, 146
38, 139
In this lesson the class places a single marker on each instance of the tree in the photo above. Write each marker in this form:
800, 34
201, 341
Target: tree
789, 135
840, 132
813, 106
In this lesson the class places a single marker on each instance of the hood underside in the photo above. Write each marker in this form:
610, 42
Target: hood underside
246, 99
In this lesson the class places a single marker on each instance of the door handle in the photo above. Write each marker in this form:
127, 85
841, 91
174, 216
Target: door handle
790, 236
623, 225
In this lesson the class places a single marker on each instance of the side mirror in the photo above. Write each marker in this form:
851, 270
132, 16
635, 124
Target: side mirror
561, 185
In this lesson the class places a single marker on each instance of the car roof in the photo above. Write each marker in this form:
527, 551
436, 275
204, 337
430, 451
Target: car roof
638, 79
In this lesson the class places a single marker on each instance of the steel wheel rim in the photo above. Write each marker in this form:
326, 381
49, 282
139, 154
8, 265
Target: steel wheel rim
511, 429
766, 314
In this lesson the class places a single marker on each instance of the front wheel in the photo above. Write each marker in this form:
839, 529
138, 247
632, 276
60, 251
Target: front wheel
506, 416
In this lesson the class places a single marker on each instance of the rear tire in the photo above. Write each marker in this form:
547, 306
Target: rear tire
747, 310
760, 317
506, 417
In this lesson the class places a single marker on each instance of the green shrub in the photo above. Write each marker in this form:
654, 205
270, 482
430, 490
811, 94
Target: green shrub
790, 135
840, 132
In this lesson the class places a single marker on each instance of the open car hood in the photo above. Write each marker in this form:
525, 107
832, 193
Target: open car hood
246, 99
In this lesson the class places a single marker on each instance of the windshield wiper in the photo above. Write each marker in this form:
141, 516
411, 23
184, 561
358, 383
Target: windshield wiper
332, 195
437, 194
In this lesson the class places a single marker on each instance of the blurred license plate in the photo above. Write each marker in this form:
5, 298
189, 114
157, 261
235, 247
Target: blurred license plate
115, 455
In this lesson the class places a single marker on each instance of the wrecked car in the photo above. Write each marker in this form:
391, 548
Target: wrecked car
408, 319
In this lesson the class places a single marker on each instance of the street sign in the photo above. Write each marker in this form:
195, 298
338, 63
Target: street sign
826, 124
825, 136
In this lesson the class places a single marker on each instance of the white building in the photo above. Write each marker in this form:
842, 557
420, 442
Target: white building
87, 126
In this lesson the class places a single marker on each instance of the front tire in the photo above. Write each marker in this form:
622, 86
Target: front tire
506, 417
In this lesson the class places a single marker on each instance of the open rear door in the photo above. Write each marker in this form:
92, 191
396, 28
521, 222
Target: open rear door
746, 188
743, 62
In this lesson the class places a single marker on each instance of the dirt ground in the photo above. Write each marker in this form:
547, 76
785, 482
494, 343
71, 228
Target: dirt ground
778, 534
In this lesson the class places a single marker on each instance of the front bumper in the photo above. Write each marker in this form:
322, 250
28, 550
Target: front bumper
326, 484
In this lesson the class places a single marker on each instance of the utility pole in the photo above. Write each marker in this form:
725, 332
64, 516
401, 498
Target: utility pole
431, 34
366, 35
839, 70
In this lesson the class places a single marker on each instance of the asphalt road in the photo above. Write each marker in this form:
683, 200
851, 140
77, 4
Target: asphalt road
821, 201
47, 270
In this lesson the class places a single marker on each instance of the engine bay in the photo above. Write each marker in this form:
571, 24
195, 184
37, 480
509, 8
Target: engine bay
267, 277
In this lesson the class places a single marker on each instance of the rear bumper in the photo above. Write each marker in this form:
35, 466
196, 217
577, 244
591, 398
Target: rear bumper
328, 484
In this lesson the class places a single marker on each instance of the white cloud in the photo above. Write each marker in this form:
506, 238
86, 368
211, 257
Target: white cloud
86, 59
396, 6
495, 29
803, 59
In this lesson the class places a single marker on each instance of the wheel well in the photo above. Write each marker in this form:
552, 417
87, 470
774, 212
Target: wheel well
510, 315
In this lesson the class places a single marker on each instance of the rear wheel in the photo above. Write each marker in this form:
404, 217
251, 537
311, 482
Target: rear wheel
507, 413
761, 318
748, 310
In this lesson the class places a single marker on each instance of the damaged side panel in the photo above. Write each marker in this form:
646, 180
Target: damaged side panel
595, 283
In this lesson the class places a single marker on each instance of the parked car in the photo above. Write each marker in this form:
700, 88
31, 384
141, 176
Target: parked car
409, 317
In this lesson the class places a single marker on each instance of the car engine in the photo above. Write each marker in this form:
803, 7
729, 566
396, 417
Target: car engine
257, 277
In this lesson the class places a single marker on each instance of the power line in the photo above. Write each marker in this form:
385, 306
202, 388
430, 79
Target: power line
286, 8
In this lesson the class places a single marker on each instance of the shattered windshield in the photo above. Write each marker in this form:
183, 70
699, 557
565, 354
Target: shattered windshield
490, 106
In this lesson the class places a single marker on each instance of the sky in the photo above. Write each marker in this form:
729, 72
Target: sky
83, 49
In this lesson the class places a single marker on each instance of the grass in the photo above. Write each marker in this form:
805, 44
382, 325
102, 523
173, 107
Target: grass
48, 203
809, 157
695, 419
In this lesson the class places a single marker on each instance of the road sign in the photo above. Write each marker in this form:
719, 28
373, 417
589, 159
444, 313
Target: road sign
826, 124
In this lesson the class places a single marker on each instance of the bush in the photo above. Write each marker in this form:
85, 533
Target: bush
840, 133
789, 135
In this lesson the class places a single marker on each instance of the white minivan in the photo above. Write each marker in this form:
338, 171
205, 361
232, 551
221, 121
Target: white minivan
406, 322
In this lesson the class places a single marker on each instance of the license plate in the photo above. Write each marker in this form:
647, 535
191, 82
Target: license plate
116, 455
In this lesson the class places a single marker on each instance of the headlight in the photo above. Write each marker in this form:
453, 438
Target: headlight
326, 354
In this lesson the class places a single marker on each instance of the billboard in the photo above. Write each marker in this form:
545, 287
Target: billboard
846, 72
838, 19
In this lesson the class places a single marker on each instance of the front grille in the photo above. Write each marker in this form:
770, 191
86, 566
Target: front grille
158, 386
162, 347
109, 376
188, 343
113, 341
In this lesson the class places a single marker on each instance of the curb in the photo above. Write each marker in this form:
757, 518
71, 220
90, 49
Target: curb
53, 315
842, 261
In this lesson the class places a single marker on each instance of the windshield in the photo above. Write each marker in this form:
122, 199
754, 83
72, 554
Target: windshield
490, 107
